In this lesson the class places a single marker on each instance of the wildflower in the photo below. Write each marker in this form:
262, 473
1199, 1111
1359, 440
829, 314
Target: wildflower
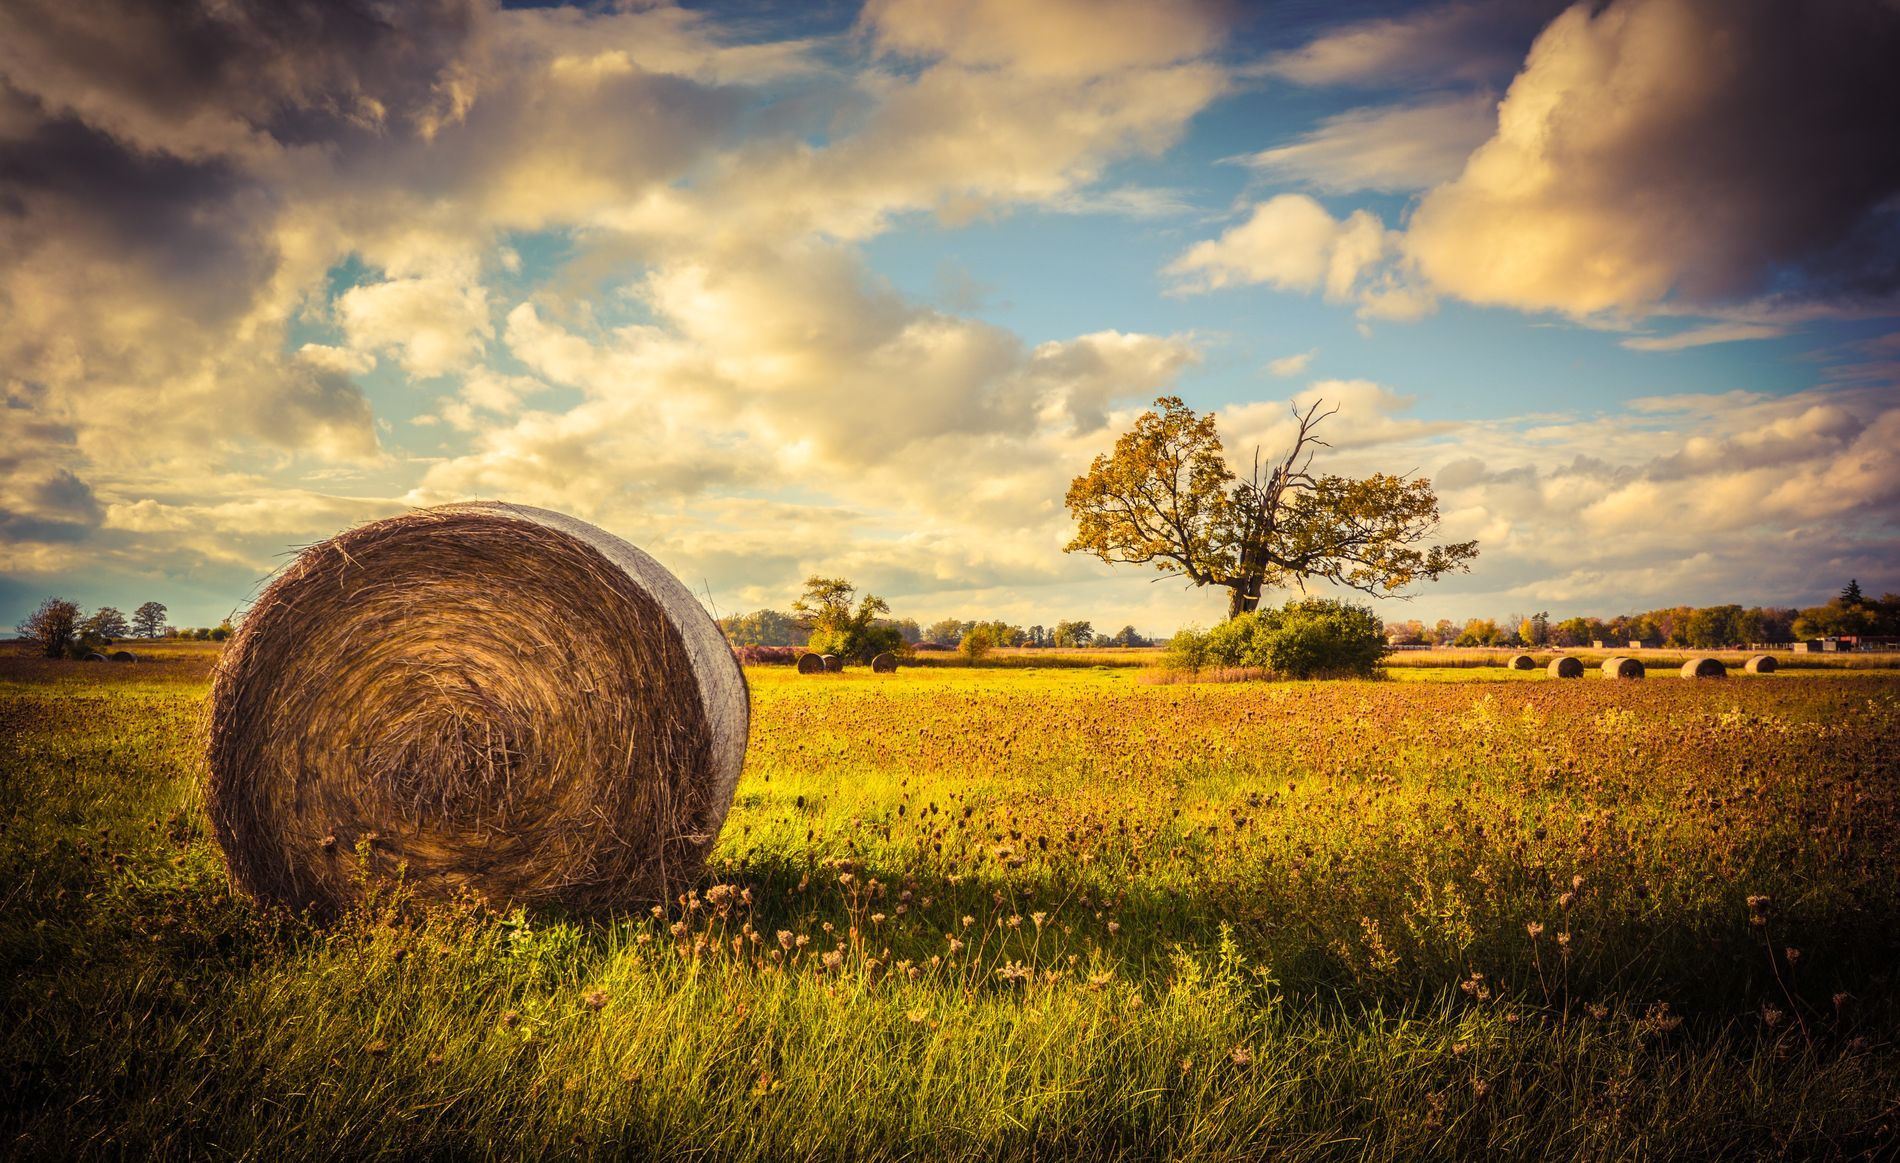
968, 921
1114, 927
659, 910
678, 928
510, 1019
833, 961
877, 918
1563, 902
916, 1016
956, 946
1098, 980
802, 941
1535, 929
376, 1049
596, 999
1240, 1055
1134, 1001
1772, 1016
1038, 918
1016, 972
1015, 922
1792, 954
1598, 1012
1480, 1088
1187, 1065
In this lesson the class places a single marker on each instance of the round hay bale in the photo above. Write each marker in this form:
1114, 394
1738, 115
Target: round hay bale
811, 664
1620, 667
1761, 664
93, 656
1523, 662
499, 700
123, 656
1704, 667
833, 664
885, 663
1565, 667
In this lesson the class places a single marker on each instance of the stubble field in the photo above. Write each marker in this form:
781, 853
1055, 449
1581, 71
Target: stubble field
1021, 912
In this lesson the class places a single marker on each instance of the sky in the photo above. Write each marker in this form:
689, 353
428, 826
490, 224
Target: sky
781, 289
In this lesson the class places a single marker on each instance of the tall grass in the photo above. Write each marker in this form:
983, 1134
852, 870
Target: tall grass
1000, 914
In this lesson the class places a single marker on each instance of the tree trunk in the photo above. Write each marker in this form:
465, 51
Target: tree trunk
1243, 597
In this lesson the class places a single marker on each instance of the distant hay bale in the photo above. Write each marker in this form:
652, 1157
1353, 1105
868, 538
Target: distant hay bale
833, 664
1761, 664
497, 700
1704, 667
1565, 667
811, 664
124, 656
1523, 662
92, 656
1620, 667
885, 663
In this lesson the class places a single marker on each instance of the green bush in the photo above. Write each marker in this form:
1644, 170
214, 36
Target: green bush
1309, 638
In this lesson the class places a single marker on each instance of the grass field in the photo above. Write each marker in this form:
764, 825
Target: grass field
1021, 912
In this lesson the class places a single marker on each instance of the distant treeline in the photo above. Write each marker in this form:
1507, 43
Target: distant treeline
1850, 614
777, 628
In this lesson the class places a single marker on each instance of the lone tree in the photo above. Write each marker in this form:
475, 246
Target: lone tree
51, 627
837, 629
1165, 496
148, 621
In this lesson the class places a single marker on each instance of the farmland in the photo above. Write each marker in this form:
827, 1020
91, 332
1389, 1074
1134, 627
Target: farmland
1022, 910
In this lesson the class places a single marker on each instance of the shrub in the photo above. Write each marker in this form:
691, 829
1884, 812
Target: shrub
977, 643
1187, 650
1309, 638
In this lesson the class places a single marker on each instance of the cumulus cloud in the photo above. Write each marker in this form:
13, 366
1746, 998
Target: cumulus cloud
1292, 365
1633, 166
1290, 243
215, 218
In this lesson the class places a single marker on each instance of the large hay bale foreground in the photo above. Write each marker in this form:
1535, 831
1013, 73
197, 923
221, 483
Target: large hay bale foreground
811, 664
1620, 667
1523, 662
1761, 664
1704, 667
885, 663
505, 700
833, 664
1566, 667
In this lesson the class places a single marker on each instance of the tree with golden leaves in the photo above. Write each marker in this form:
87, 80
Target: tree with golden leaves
1166, 497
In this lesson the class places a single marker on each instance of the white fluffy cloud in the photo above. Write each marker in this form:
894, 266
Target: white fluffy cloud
177, 226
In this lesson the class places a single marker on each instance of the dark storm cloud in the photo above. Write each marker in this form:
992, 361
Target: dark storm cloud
1700, 151
296, 70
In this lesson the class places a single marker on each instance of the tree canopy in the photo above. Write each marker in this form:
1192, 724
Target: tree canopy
837, 629
1166, 497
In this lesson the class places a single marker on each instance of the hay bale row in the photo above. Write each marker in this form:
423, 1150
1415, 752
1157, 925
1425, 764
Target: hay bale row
1704, 667
1761, 664
1523, 662
124, 656
1565, 667
833, 664
499, 700
1621, 667
884, 663
811, 664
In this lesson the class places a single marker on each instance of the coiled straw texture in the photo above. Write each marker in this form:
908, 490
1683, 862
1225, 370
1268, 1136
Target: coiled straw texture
484, 699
